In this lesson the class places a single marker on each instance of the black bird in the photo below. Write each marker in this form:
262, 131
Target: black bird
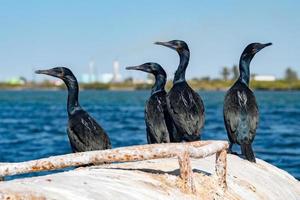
83, 131
159, 124
241, 114
184, 104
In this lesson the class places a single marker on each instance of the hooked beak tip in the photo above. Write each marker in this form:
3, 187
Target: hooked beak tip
268, 44
130, 68
38, 71
159, 43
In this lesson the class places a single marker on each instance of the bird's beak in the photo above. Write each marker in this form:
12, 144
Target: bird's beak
143, 68
262, 46
267, 44
166, 44
43, 72
134, 67
49, 72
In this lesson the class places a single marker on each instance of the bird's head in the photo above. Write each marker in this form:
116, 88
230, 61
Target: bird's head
178, 45
59, 72
253, 48
150, 67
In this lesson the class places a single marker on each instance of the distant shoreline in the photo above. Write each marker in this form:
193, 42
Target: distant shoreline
131, 89
204, 85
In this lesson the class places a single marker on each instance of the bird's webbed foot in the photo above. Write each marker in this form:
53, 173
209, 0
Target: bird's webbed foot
230, 149
233, 153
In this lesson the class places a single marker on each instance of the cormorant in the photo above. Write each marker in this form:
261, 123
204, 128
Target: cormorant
160, 127
84, 133
241, 114
184, 104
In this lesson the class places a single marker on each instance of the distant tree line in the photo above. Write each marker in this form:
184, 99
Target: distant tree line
290, 75
233, 74
230, 73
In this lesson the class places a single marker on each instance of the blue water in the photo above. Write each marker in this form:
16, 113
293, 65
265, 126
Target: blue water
33, 123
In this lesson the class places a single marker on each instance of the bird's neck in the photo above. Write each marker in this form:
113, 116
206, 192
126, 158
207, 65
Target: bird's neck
159, 85
183, 63
245, 69
73, 90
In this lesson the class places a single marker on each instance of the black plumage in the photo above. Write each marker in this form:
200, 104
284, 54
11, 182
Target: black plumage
184, 104
84, 133
241, 113
159, 124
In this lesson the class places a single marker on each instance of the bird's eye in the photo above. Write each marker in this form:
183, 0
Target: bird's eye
62, 72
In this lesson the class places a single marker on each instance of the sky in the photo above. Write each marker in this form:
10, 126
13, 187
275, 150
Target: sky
38, 34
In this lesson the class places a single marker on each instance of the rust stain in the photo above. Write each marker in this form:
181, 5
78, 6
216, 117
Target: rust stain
21, 196
127, 157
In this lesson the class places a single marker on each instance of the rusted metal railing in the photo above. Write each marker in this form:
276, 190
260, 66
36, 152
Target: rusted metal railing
183, 151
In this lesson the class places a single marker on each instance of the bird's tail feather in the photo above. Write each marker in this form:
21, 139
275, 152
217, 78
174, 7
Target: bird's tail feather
248, 152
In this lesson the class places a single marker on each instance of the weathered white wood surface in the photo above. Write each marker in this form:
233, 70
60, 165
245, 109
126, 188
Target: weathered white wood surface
158, 179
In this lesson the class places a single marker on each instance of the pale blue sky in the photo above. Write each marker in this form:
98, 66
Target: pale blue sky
70, 33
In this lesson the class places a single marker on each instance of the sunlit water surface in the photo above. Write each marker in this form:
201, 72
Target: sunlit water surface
33, 123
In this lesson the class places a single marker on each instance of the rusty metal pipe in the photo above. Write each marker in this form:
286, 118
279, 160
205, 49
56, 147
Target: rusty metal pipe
197, 149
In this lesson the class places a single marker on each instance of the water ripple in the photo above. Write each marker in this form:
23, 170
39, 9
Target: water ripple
33, 123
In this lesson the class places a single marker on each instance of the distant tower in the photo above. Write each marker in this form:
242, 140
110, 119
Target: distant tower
116, 72
92, 77
33, 75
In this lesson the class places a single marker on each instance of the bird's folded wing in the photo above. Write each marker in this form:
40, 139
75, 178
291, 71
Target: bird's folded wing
186, 111
88, 134
155, 121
